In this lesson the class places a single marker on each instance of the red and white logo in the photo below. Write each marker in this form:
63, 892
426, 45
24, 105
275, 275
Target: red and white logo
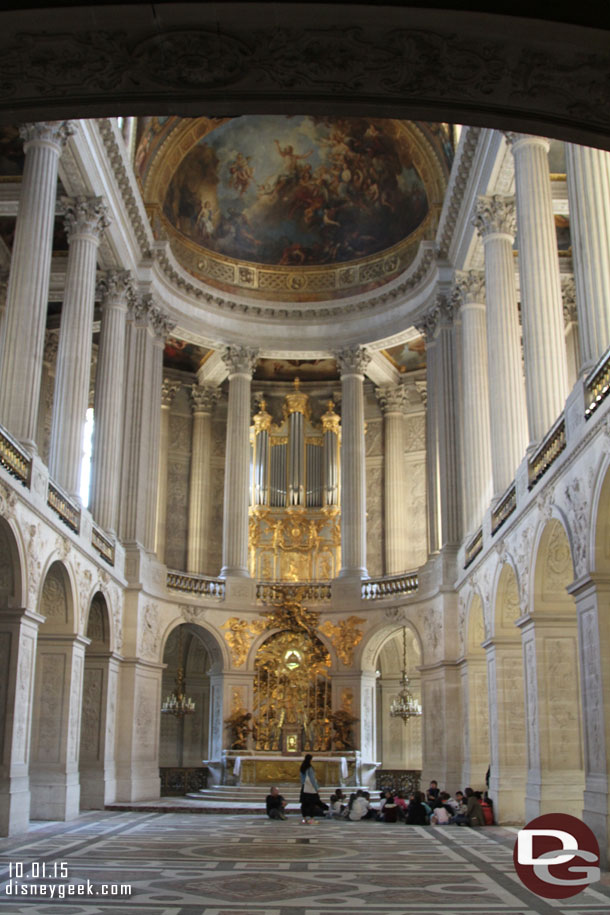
556, 856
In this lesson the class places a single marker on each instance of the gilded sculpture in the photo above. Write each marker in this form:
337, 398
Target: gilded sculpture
344, 636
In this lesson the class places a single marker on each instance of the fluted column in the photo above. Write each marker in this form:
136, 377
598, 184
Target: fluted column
546, 374
469, 297
22, 341
495, 221
116, 291
86, 219
204, 399
442, 447
240, 360
588, 174
147, 329
392, 400
169, 389
352, 362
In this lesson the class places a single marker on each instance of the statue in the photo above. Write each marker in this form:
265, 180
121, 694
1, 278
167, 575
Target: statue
238, 723
342, 722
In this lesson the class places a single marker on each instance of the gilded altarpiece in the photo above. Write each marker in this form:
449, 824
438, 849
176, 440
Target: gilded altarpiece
295, 528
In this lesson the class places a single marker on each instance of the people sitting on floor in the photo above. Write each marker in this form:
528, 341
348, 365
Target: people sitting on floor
361, 807
402, 804
474, 811
275, 805
417, 811
432, 793
442, 812
337, 804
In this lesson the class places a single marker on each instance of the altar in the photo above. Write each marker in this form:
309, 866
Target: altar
263, 769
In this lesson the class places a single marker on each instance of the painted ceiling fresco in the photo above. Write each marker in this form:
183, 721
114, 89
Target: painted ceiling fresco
297, 191
408, 356
299, 208
187, 357
289, 369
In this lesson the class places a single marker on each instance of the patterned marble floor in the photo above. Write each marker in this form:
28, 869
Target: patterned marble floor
180, 864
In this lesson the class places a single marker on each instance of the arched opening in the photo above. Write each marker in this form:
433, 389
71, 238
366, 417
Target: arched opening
57, 703
552, 683
475, 699
399, 742
97, 764
185, 741
508, 734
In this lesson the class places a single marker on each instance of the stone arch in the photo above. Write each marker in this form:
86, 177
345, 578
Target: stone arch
56, 715
507, 703
600, 523
11, 568
552, 681
473, 669
211, 638
185, 742
373, 642
399, 744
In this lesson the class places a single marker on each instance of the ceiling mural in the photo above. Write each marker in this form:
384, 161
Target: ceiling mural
297, 191
187, 357
289, 369
296, 208
407, 357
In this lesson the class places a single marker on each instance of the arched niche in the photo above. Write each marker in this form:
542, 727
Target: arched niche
475, 733
552, 680
185, 742
96, 758
507, 703
399, 743
10, 568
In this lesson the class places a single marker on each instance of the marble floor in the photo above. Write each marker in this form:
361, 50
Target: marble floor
182, 864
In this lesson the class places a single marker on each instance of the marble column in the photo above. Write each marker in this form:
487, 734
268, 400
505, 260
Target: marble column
204, 399
571, 329
495, 221
240, 360
22, 342
546, 374
86, 219
147, 329
392, 400
116, 290
352, 362
442, 443
588, 174
169, 389
469, 297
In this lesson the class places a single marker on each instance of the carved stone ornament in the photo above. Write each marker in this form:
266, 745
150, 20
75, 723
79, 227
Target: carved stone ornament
392, 398
169, 389
8, 501
345, 636
55, 132
352, 360
469, 288
85, 216
577, 495
161, 323
240, 360
204, 397
495, 215
116, 287
568, 295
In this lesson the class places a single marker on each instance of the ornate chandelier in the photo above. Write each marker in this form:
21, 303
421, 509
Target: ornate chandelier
176, 702
405, 705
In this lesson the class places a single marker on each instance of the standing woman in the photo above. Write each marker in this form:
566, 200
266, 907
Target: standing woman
309, 791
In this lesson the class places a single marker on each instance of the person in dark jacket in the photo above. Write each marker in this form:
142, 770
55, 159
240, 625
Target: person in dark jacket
417, 813
275, 805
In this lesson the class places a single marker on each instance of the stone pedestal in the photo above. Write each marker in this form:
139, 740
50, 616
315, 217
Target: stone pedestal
97, 738
137, 760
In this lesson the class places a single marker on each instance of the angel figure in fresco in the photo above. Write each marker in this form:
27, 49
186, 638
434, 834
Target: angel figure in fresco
342, 722
241, 173
291, 158
238, 724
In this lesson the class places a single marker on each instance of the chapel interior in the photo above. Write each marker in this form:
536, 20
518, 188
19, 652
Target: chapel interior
300, 411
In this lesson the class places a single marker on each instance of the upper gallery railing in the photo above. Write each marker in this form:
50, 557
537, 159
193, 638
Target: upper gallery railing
390, 586
597, 385
191, 583
267, 592
67, 509
473, 547
547, 451
104, 544
14, 459
504, 508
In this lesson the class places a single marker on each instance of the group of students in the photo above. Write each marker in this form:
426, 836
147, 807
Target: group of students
437, 808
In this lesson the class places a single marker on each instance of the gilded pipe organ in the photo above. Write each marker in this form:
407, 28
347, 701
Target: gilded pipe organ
294, 532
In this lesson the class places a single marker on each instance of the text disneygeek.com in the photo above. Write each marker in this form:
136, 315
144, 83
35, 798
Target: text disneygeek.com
22, 876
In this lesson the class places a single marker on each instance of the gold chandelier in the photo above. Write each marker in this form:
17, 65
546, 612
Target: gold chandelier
176, 702
405, 705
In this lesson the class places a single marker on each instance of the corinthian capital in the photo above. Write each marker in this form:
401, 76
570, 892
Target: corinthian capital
204, 397
85, 215
352, 360
469, 288
240, 360
392, 398
115, 287
54, 132
495, 215
169, 389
